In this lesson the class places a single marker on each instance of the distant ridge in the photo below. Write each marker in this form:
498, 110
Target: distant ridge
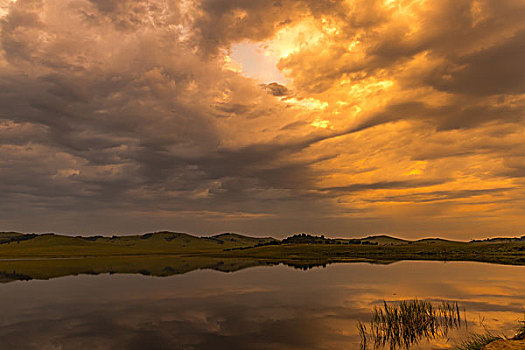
236, 239
435, 240
499, 240
6, 237
384, 239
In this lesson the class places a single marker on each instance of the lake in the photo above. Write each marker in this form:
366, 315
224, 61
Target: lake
265, 307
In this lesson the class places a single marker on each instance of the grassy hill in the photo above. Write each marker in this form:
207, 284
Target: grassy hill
159, 243
234, 238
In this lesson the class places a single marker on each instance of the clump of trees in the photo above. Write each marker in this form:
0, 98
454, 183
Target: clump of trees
306, 238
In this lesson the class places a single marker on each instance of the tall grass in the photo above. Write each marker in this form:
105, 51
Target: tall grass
407, 323
477, 341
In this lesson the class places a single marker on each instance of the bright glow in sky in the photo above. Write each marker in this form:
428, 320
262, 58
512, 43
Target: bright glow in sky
256, 63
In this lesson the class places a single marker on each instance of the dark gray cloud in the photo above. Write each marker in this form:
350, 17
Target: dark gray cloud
276, 89
383, 185
497, 69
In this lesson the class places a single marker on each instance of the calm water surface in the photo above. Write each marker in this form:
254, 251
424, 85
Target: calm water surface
257, 308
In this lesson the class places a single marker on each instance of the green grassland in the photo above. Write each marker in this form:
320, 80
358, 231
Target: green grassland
500, 253
31, 256
159, 243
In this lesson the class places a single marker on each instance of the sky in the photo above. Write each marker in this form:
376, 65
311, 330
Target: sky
270, 117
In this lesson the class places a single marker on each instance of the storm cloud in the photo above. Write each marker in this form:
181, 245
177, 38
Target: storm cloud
126, 115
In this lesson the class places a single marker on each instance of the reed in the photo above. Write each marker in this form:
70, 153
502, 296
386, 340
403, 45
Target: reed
406, 323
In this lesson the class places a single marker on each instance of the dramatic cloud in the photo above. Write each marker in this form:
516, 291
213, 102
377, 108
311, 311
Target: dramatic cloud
391, 116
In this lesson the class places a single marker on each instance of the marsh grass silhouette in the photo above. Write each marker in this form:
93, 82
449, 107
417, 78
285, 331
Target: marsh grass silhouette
405, 324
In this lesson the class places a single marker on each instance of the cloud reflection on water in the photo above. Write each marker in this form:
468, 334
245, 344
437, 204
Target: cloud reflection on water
257, 308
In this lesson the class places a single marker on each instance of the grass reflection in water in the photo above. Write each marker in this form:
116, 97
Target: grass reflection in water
405, 324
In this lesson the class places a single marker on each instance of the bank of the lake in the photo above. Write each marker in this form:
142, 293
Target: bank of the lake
32, 256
